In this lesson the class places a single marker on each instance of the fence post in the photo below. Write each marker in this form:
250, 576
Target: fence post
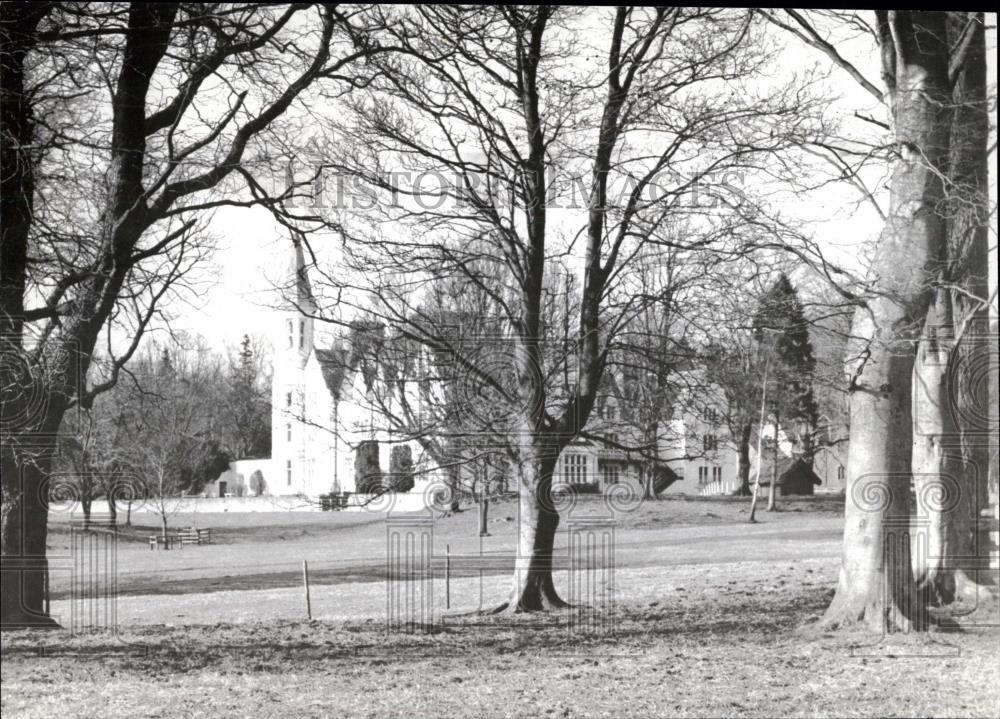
447, 576
305, 582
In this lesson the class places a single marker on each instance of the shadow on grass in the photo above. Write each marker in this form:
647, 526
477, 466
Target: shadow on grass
258, 647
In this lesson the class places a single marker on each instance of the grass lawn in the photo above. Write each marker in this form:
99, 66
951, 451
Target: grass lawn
255, 551
713, 618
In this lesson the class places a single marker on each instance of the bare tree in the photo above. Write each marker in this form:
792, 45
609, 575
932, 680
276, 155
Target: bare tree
498, 100
927, 283
122, 124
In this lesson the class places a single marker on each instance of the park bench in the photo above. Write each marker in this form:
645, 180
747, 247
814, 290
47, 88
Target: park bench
158, 540
192, 535
333, 502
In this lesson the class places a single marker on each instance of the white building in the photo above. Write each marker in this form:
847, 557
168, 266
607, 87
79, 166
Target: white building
321, 407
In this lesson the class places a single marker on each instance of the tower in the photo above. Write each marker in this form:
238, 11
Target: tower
293, 343
298, 308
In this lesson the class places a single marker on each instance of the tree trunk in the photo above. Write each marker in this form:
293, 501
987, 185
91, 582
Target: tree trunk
24, 533
85, 504
163, 521
943, 507
533, 588
484, 511
25, 449
112, 511
952, 430
744, 460
876, 586
128, 514
649, 466
64, 358
772, 489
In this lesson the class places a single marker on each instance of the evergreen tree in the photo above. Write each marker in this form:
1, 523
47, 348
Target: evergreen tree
247, 408
781, 332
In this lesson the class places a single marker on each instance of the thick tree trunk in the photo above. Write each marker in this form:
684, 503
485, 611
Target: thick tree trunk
876, 585
946, 488
64, 358
951, 442
533, 588
969, 214
25, 532
25, 447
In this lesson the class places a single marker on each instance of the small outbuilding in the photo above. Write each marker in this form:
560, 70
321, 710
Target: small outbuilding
795, 476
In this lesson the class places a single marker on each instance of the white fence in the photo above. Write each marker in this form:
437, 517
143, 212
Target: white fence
719, 487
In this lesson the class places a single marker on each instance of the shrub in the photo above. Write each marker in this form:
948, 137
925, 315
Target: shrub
401, 468
258, 485
367, 472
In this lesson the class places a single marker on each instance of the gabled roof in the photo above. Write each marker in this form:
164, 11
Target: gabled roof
789, 468
333, 363
665, 476
339, 363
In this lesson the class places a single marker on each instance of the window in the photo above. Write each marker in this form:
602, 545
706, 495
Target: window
302, 333
288, 399
610, 438
716, 474
711, 415
702, 475
288, 471
610, 412
291, 334
575, 468
710, 443
611, 474
288, 432
841, 472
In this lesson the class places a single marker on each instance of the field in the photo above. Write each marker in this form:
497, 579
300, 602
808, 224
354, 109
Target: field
714, 617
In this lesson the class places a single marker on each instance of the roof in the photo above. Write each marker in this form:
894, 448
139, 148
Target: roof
665, 476
790, 469
296, 292
333, 364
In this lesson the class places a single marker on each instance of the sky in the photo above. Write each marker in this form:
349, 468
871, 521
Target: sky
237, 293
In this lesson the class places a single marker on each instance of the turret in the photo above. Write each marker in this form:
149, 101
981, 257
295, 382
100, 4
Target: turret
298, 308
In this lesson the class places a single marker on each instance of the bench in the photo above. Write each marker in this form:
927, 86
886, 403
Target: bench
192, 535
333, 502
158, 540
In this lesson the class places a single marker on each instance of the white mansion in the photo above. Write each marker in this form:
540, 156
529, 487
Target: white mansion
323, 407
